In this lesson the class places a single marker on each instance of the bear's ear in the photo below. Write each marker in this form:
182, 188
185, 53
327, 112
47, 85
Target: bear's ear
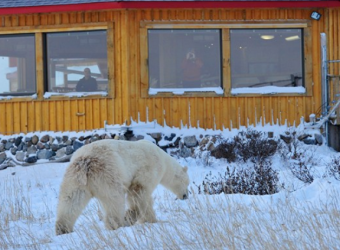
185, 169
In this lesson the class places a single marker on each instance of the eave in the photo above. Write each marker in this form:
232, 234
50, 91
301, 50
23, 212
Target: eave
168, 5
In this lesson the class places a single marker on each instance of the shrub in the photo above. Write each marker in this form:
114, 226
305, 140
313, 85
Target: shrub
257, 179
247, 145
226, 150
254, 145
333, 168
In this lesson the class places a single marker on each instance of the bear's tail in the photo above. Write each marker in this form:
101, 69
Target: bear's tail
84, 167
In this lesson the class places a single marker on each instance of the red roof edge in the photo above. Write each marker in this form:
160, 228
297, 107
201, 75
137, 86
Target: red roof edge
169, 4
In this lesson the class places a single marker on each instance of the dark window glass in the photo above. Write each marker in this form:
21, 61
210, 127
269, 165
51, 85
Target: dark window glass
77, 61
184, 58
266, 57
17, 64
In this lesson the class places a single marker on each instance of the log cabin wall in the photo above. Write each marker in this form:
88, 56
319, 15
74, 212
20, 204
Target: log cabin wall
126, 100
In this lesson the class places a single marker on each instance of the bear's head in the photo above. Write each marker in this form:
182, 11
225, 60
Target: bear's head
180, 184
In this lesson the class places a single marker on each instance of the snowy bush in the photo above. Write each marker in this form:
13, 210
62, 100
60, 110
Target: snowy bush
300, 158
246, 145
257, 179
333, 168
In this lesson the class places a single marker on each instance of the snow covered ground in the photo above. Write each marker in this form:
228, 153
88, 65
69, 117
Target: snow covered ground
300, 216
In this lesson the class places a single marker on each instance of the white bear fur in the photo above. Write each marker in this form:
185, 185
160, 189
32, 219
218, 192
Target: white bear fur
109, 169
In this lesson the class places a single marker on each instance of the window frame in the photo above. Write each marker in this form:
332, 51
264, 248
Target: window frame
23, 95
225, 27
46, 62
40, 54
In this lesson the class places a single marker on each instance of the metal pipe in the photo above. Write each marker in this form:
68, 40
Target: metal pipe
324, 82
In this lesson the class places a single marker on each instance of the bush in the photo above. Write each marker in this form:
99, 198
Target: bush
257, 179
226, 150
333, 168
247, 145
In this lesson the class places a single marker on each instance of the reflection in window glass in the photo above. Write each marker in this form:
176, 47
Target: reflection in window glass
17, 64
266, 57
77, 61
188, 58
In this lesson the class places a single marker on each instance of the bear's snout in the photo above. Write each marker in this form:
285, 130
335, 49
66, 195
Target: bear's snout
185, 196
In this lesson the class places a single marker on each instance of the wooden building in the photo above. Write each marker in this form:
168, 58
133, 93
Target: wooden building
212, 64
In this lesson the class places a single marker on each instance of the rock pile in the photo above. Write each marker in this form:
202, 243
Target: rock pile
27, 150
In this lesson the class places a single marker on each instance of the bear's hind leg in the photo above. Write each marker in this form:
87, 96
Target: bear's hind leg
140, 205
114, 207
71, 204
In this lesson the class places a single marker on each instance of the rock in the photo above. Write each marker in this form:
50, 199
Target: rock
128, 134
185, 152
204, 142
3, 157
140, 137
18, 141
286, 138
31, 159
210, 146
20, 156
3, 166
27, 139
270, 134
20, 146
133, 138
40, 146
310, 141
2, 147
190, 141
95, 138
31, 150
45, 138
169, 138
8, 145
55, 146
64, 138
69, 142
35, 139
59, 139
77, 144
61, 153
69, 150
44, 154
107, 137
303, 136
13, 150
319, 139
156, 136
121, 137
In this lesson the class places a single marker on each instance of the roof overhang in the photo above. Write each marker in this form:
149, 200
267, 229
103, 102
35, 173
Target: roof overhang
167, 5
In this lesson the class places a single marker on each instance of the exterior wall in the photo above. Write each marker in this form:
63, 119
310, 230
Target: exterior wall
126, 100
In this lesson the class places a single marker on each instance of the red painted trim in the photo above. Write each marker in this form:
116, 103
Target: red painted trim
168, 5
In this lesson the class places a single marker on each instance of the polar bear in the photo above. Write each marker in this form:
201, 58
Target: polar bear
108, 170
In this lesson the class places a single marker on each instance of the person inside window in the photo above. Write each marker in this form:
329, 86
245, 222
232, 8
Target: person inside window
87, 83
191, 68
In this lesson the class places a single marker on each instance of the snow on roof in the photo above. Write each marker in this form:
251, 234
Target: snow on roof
33, 3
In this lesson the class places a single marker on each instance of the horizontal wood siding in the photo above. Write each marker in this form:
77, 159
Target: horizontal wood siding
127, 102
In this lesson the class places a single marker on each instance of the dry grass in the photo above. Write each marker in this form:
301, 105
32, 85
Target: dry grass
202, 222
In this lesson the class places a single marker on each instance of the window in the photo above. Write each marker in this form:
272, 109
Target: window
184, 59
17, 65
266, 57
74, 57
